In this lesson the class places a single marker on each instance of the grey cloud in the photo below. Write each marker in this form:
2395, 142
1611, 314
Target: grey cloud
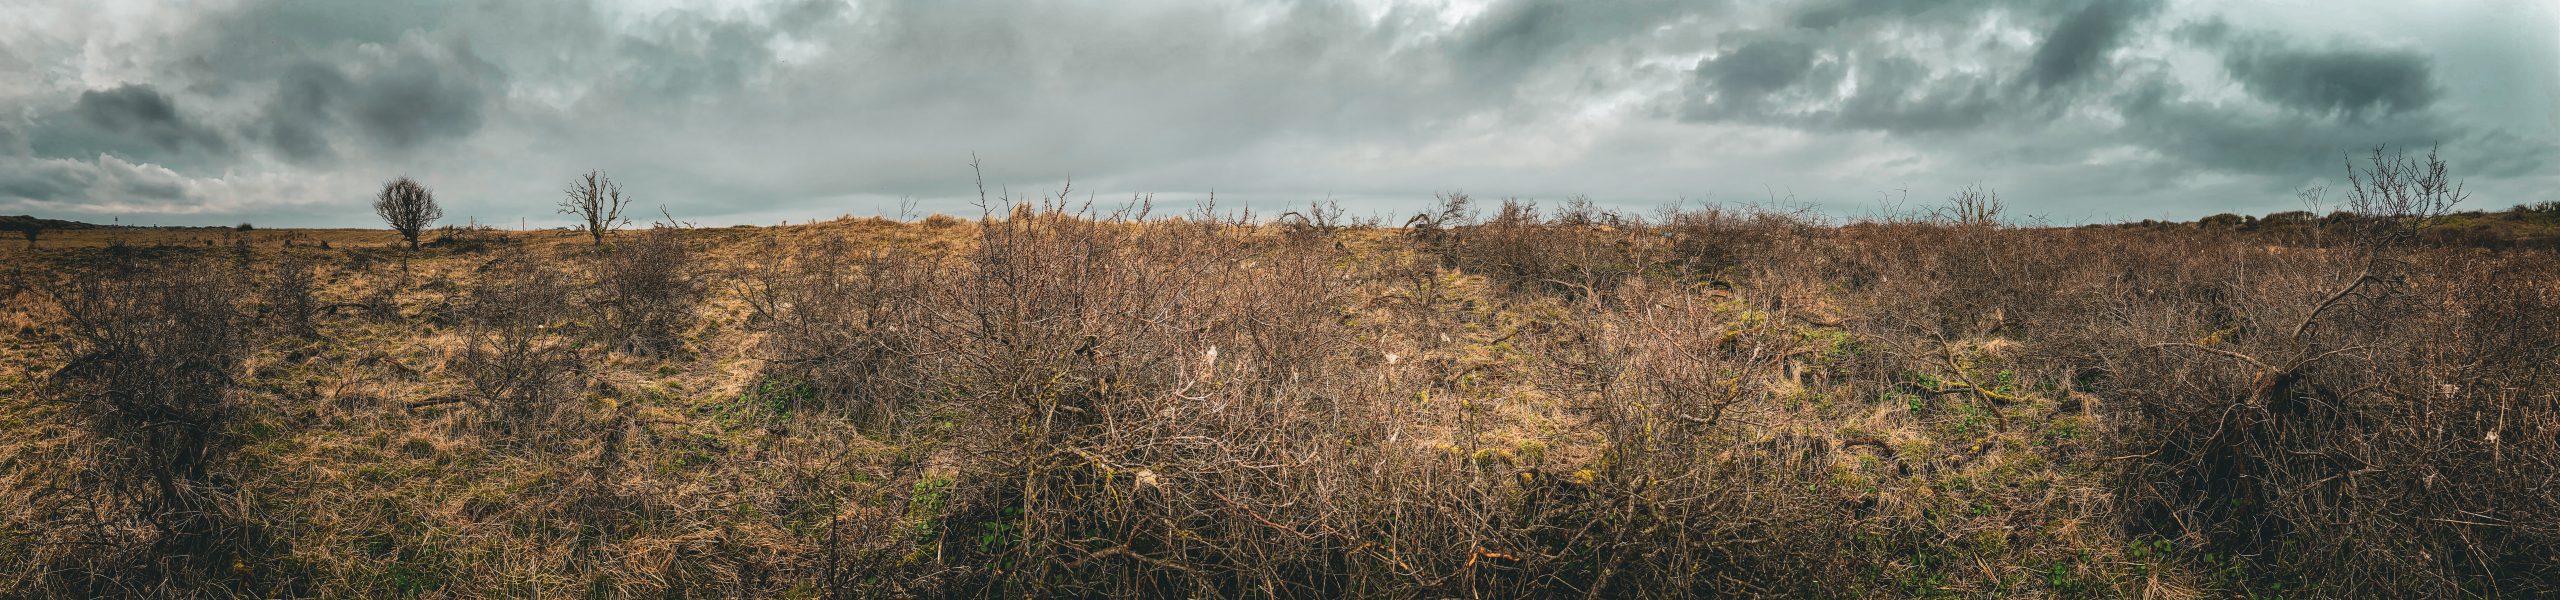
1848, 66
703, 58
2292, 144
59, 183
296, 121
142, 112
1796, 76
2211, 33
2347, 82
1787, 82
1836, 14
12, 143
382, 98
1758, 68
2079, 43
45, 181
256, 40
1899, 94
1514, 35
425, 92
329, 79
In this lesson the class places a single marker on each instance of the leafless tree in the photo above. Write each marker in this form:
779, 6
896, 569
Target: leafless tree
598, 201
2399, 196
407, 207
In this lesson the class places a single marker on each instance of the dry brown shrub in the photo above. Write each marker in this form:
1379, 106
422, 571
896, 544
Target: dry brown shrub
290, 297
645, 291
151, 361
514, 353
842, 327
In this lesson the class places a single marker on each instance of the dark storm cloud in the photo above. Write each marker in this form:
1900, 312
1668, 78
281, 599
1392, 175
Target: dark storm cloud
2348, 82
383, 98
332, 78
2079, 43
296, 121
1796, 76
2273, 143
1751, 72
1515, 35
1789, 83
1836, 70
139, 111
425, 92
2319, 104
2099, 15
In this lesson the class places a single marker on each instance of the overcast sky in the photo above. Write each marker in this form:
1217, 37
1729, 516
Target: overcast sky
291, 113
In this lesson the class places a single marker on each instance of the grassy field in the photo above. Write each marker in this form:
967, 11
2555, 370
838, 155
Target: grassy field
1487, 401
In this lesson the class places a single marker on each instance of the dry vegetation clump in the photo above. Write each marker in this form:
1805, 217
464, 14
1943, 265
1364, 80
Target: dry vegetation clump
513, 352
1057, 401
150, 355
1719, 244
646, 291
1582, 250
289, 298
839, 325
1144, 406
2345, 421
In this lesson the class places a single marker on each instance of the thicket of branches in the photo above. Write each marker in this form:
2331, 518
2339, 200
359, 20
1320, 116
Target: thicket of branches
151, 361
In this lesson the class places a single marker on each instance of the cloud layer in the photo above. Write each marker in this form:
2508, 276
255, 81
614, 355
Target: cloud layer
758, 111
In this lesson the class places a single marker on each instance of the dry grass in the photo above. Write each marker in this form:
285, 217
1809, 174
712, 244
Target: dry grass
1064, 402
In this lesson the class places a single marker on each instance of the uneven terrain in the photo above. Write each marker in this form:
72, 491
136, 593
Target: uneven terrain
1483, 401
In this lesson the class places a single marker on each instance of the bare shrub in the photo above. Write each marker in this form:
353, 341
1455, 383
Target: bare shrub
597, 202
1320, 221
153, 355
847, 323
290, 296
646, 291
1672, 379
2331, 422
2397, 196
1437, 230
1975, 206
2348, 432
1161, 408
470, 238
1111, 353
407, 207
1724, 243
1582, 251
515, 353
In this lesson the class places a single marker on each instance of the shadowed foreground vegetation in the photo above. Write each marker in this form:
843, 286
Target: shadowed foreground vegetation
1494, 401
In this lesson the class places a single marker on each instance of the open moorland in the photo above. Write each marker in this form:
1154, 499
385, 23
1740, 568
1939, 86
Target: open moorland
1491, 399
